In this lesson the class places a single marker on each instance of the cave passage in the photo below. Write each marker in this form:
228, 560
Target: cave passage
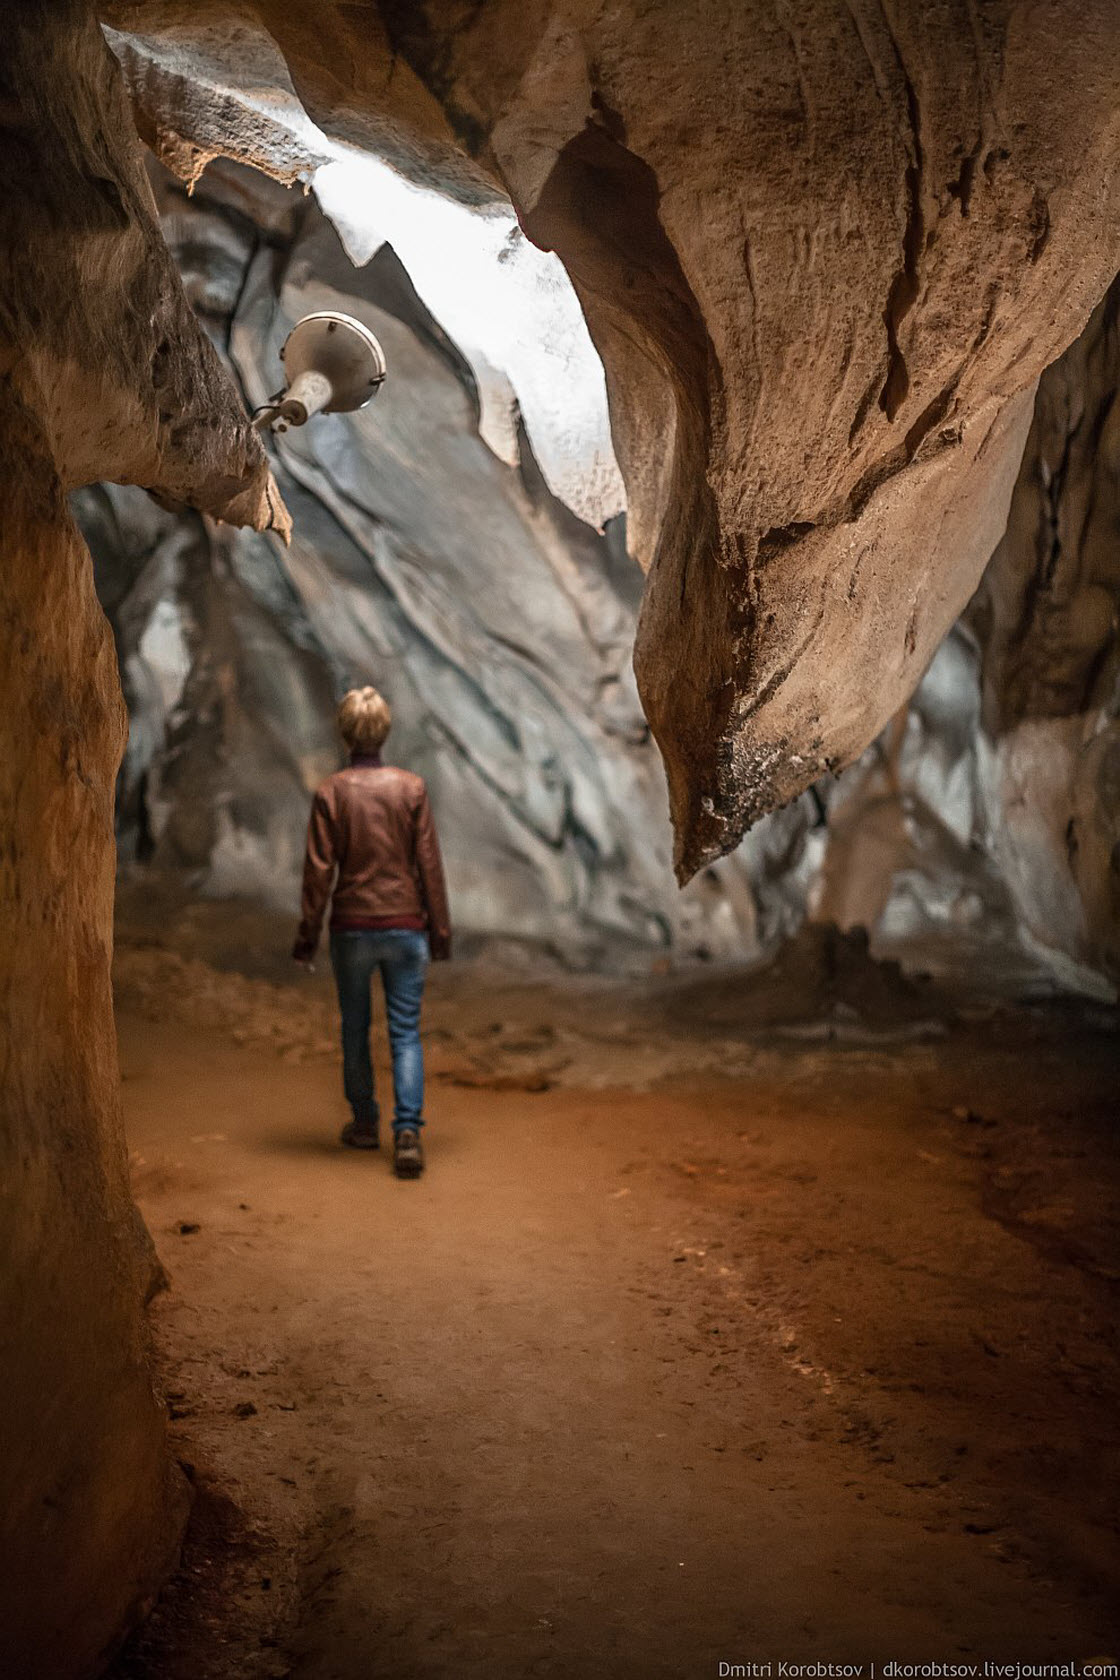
735, 539
751, 1315
698, 1342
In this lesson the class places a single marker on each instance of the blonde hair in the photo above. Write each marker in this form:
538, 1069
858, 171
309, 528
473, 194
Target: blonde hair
364, 719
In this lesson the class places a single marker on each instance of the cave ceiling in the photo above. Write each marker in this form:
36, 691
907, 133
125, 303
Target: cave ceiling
824, 250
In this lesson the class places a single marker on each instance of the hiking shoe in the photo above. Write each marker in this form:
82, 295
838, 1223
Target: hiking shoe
408, 1157
361, 1134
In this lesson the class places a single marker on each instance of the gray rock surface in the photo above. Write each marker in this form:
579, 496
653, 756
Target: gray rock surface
499, 625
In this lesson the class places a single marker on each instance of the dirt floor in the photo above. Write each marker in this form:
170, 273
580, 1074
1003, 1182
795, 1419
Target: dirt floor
711, 1335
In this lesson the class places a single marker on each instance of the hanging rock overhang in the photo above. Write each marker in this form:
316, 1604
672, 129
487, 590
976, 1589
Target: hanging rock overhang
824, 258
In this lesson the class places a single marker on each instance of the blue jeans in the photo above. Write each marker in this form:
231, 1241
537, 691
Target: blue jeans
402, 957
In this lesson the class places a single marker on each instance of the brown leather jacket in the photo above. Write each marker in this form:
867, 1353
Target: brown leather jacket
372, 823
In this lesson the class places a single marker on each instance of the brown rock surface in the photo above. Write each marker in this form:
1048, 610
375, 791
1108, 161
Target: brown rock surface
99, 340
104, 373
824, 253
988, 814
90, 1508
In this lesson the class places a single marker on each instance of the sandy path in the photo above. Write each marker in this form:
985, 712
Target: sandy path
627, 1385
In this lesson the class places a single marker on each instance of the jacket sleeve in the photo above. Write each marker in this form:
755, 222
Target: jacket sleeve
429, 866
318, 877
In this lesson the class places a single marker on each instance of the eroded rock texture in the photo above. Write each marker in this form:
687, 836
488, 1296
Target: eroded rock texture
1047, 616
825, 251
498, 623
986, 818
103, 373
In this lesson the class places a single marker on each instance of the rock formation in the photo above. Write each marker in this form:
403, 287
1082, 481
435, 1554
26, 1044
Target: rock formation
498, 623
105, 374
234, 650
824, 252
989, 810
1047, 617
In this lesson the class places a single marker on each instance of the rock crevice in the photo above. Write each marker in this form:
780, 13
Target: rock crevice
104, 373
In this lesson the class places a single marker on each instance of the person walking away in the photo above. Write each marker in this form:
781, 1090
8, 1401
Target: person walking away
372, 840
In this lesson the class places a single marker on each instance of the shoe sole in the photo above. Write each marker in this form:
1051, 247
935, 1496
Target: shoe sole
408, 1168
361, 1143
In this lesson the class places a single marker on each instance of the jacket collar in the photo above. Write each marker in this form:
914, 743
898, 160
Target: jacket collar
365, 760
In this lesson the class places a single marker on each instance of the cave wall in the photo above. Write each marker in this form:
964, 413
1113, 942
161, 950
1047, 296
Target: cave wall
986, 819
825, 255
103, 373
1047, 618
825, 251
90, 1510
499, 624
